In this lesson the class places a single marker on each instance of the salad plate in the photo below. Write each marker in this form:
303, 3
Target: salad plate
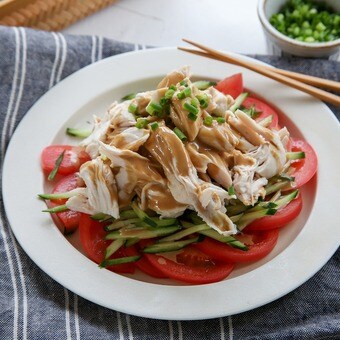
303, 247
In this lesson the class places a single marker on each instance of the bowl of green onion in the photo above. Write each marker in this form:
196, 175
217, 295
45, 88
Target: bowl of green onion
306, 28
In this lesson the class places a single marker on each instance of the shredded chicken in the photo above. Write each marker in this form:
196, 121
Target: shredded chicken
137, 154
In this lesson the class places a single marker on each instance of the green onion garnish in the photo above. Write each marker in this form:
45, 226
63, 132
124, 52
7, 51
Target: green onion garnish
141, 123
185, 93
208, 121
154, 126
132, 108
190, 108
180, 134
153, 108
172, 87
183, 82
220, 120
168, 94
203, 100
56, 166
231, 191
192, 116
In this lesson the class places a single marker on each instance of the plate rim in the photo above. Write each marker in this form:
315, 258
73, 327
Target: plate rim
150, 314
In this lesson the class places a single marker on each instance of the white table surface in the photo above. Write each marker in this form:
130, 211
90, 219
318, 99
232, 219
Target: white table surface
231, 25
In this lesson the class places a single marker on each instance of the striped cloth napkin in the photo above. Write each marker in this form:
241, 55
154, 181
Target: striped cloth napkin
33, 306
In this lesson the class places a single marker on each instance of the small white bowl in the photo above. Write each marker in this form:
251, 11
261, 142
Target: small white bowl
266, 8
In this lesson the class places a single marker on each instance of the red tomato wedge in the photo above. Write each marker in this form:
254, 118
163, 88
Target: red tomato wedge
266, 110
232, 85
66, 184
67, 220
143, 264
74, 157
305, 168
263, 245
280, 219
190, 274
92, 236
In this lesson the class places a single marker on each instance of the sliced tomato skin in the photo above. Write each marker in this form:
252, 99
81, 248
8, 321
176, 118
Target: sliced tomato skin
280, 219
266, 110
191, 256
193, 275
74, 157
232, 85
306, 168
223, 252
92, 236
143, 263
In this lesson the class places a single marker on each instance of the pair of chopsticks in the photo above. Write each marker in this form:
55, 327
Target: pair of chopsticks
296, 80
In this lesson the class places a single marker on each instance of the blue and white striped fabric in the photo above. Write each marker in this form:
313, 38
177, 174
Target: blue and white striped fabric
33, 306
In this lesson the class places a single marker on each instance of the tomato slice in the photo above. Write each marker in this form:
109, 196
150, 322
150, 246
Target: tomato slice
232, 85
143, 264
92, 236
305, 168
266, 110
190, 256
66, 184
280, 219
263, 244
74, 157
190, 274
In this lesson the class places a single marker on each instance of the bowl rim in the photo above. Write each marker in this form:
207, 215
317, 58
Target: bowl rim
296, 43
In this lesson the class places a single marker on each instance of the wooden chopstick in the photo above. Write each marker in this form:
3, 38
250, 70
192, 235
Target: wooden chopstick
268, 72
304, 78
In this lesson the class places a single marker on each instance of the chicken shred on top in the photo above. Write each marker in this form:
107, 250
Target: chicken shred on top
178, 148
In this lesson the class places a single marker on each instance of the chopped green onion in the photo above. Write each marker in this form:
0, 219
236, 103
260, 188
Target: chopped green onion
184, 94
168, 94
192, 116
56, 166
220, 120
129, 96
153, 108
133, 108
204, 84
203, 100
231, 191
172, 87
141, 123
180, 134
238, 101
154, 126
78, 132
208, 121
183, 82
195, 102
190, 108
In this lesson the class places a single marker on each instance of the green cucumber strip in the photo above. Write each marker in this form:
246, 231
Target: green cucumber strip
59, 208
60, 195
238, 101
117, 224
113, 247
144, 233
236, 209
263, 205
252, 216
169, 246
284, 200
203, 84
81, 133
120, 260
129, 96
56, 166
101, 217
295, 155
127, 214
142, 215
184, 233
236, 218
131, 241
195, 218
271, 188
224, 239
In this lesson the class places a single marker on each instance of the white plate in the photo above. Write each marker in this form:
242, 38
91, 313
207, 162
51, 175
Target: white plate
303, 248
